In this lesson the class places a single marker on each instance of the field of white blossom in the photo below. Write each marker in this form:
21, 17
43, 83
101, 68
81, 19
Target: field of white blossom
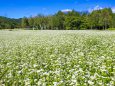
57, 58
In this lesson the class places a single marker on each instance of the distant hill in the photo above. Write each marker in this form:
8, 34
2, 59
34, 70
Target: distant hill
6, 23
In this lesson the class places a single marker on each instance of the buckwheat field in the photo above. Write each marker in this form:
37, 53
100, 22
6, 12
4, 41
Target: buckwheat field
57, 58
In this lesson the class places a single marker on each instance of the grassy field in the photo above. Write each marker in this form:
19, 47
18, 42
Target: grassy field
57, 58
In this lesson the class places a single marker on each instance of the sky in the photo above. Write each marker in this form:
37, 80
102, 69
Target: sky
21, 8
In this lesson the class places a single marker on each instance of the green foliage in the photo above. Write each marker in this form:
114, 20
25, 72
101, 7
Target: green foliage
98, 19
25, 22
7, 23
111, 28
113, 21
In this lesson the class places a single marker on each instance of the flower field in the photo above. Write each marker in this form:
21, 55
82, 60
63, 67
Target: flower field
57, 58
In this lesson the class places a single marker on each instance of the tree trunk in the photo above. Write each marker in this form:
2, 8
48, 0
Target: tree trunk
91, 27
103, 27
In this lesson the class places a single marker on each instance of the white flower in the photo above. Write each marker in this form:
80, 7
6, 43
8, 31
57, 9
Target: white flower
80, 70
102, 57
74, 81
39, 70
20, 71
46, 73
35, 65
39, 83
92, 77
55, 83
81, 54
44, 84
73, 77
90, 82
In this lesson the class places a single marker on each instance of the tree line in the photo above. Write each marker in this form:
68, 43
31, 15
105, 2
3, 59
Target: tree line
100, 19
9, 23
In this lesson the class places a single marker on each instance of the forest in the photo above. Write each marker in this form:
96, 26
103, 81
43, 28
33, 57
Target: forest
101, 19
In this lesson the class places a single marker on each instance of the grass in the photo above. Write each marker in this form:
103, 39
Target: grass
57, 58
111, 28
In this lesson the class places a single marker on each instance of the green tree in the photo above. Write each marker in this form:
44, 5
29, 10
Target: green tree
31, 22
24, 22
106, 17
113, 20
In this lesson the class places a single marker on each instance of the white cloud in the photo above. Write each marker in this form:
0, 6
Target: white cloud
113, 9
66, 10
97, 7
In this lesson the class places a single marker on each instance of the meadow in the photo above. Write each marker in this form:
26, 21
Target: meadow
57, 58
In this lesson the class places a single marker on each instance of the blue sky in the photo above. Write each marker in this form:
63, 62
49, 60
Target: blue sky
20, 8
